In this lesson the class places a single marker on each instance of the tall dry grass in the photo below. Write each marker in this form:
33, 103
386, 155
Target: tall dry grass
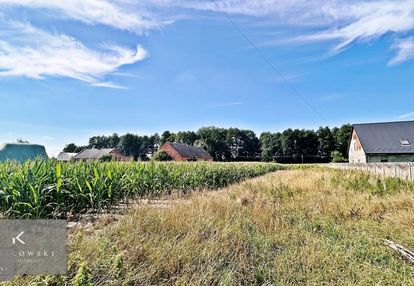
295, 227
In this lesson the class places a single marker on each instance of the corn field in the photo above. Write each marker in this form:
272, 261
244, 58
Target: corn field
49, 189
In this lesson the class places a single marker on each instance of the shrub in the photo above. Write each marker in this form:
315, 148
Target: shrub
162, 156
106, 158
338, 158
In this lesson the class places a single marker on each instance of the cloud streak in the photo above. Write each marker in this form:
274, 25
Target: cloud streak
31, 52
110, 13
340, 22
405, 51
36, 54
407, 115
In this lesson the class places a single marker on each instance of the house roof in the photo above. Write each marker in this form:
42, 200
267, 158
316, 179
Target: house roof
93, 154
387, 137
21, 152
65, 156
188, 151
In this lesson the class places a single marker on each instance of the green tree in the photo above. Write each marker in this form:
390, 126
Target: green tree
186, 137
270, 146
213, 139
70, 148
167, 136
129, 145
114, 140
99, 142
154, 143
342, 136
243, 144
326, 141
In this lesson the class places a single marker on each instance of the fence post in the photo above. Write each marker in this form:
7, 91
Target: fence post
411, 172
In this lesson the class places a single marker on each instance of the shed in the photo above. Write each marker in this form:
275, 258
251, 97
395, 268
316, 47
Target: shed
21, 152
183, 152
382, 142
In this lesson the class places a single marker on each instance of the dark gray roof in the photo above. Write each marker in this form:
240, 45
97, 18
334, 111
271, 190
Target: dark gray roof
93, 154
385, 138
65, 156
190, 151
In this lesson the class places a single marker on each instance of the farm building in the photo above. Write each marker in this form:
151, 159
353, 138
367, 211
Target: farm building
183, 152
98, 154
66, 157
382, 142
21, 152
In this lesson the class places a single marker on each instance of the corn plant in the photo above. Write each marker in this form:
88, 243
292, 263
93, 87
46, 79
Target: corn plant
49, 189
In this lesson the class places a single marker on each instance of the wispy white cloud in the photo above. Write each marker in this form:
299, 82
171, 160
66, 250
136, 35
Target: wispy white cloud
407, 115
368, 21
332, 97
31, 52
405, 51
340, 22
110, 13
109, 84
130, 75
256, 8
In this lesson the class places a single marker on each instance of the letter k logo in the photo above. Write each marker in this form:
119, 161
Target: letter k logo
17, 238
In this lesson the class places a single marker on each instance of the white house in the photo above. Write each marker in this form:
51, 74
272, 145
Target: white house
382, 142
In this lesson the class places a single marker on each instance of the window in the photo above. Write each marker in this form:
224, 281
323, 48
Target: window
405, 142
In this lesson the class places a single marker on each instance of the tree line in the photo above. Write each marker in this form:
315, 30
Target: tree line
233, 144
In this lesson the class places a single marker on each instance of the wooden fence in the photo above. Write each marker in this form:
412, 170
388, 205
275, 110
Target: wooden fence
396, 170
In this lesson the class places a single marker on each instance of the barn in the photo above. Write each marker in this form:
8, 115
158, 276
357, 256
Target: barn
183, 152
382, 142
21, 152
98, 154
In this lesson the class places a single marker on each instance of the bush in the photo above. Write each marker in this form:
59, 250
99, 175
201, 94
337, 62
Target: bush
106, 158
338, 158
162, 156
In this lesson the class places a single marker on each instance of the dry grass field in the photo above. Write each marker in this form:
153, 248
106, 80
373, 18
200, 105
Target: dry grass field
311, 226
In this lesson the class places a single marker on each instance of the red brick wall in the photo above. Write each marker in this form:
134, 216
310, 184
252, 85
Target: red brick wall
171, 151
176, 156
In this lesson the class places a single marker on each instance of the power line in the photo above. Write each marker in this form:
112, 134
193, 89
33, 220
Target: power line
266, 60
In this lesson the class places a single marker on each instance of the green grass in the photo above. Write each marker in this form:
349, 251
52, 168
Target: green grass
293, 227
48, 189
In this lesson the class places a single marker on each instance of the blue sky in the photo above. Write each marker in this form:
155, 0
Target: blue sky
73, 69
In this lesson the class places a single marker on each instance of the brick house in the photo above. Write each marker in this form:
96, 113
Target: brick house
183, 152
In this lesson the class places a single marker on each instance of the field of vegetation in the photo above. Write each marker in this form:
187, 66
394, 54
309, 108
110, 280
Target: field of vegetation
310, 226
48, 189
